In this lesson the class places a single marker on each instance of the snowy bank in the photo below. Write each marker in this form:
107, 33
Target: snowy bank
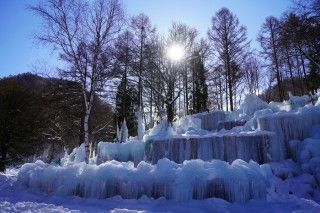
195, 179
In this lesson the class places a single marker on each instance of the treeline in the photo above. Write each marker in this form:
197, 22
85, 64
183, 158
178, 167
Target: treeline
125, 60
43, 116
291, 47
218, 70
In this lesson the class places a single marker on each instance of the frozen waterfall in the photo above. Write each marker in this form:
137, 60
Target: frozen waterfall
287, 126
227, 147
195, 179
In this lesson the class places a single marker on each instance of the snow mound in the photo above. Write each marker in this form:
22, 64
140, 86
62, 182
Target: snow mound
195, 179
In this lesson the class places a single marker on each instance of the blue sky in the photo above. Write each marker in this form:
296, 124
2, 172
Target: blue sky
19, 52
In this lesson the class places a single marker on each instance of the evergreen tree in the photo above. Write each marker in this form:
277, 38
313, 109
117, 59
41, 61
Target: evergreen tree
19, 124
126, 104
200, 88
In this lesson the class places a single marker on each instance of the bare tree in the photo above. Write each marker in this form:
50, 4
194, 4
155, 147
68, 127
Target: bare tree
252, 71
143, 34
229, 40
185, 36
269, 38
82, 32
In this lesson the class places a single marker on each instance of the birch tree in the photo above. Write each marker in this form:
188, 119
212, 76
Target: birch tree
82, 32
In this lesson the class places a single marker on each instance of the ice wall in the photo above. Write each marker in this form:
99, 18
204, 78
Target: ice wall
287, 126
123, 152
196, 179
227, 147
210, 120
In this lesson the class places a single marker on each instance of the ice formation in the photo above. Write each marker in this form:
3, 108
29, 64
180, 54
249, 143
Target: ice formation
298, 101
196, 179
227, 147
288, 126
124, 132
214, 154
301, 175
122, 152
141, 128
210, 120
227, 125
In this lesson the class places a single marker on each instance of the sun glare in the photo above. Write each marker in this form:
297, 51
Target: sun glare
175, 52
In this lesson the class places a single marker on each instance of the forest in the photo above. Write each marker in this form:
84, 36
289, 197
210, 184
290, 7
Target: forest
118, 69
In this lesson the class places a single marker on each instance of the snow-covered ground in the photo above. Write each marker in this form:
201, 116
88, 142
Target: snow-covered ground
13, 198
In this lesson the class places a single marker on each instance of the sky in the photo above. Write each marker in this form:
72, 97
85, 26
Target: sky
20, 52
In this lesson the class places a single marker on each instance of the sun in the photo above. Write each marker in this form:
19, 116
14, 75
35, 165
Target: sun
175, 52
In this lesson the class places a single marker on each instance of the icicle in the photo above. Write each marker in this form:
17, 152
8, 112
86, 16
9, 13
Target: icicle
141, 128
118, 139
124, 132
195, 179
227, 147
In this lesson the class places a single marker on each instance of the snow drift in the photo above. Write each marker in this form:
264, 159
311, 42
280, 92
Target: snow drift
195, 179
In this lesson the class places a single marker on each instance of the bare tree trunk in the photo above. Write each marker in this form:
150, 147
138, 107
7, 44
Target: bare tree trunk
86, 134
221, 94
300, 75
278, 74
304, 70
186, 92
290, 71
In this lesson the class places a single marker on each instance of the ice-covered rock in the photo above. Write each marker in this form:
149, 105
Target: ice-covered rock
196, 179
226, 146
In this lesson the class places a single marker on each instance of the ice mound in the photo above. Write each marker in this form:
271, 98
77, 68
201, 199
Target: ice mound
251, 104
188, 125
195, 179
76, 156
